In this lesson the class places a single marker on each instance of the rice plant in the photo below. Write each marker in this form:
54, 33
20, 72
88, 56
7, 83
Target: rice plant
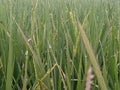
59, 44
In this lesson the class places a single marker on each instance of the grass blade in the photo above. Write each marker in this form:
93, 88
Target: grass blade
93, 59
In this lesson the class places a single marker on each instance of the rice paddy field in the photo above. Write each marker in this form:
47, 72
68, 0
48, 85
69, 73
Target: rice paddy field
59, 44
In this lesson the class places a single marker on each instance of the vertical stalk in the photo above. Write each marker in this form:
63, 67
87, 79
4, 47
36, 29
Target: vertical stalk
10, 63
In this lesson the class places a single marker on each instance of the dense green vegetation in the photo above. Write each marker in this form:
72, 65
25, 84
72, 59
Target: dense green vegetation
51, 44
